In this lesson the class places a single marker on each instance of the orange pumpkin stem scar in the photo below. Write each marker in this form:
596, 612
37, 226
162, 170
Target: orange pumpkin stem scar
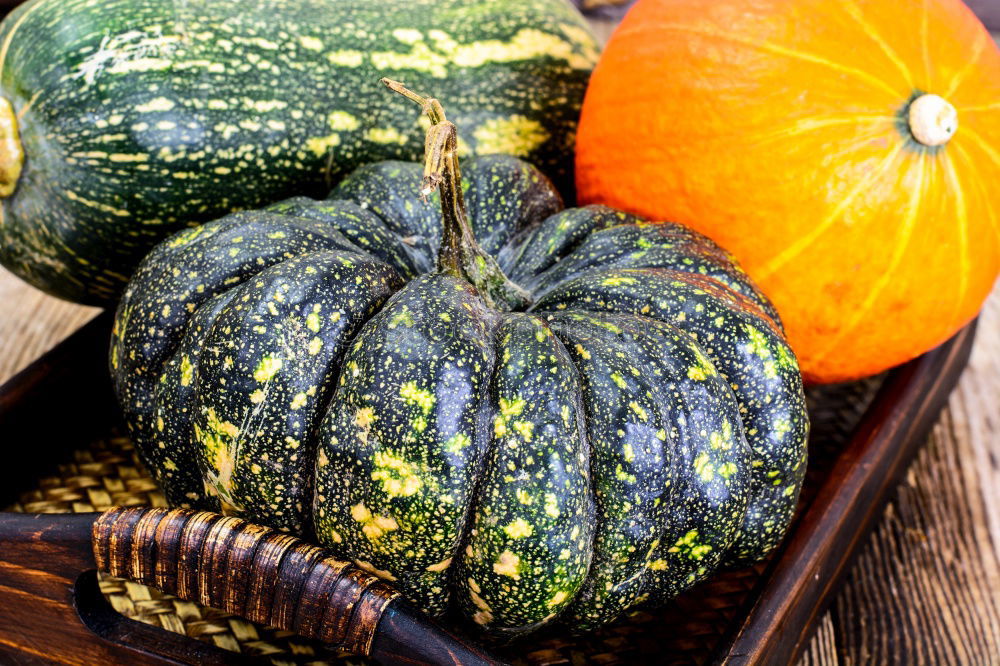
932, 119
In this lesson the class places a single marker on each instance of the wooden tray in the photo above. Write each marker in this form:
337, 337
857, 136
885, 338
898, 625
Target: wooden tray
51, 609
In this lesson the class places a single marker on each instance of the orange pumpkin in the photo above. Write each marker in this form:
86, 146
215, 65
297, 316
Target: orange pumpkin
817, 141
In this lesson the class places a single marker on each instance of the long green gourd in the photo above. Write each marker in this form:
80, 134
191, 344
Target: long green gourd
122, 121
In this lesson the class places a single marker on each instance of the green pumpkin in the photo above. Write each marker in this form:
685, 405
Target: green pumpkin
122, 121
577, 414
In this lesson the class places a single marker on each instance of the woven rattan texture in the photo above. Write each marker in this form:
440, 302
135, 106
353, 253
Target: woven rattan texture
108, 473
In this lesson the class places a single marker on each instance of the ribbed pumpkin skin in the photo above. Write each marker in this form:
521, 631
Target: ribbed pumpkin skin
305, 366
140, 117
778, 128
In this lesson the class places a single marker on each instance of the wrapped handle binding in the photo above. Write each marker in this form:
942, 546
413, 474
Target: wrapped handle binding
244, 569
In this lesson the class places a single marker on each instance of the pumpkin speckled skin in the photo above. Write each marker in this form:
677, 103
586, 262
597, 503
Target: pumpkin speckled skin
306, 366
140, 117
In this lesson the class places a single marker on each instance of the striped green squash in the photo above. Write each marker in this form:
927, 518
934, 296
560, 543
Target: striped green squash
569, 413
122, 121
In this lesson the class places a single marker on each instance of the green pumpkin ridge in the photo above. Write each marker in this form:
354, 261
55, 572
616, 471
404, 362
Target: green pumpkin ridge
528, 547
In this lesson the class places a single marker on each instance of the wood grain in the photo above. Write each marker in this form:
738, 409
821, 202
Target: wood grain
32, 322
40, 577
926, 588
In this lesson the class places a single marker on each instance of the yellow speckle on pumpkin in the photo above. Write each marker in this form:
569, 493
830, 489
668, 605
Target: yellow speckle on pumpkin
414, 395
440, 566
719, 441
629, 452
399, 477
315, 345
342, 121
551, 505
696, 373
618, 281
387, 523
187, 371
311, 43
385, 135
510, 408
758, 342
370, 568
312, 321
457, 442
525, 429
519, 528
704, 468
320, 145
508, 565
514, 135
217, 440
403, 317
267, 368
373, 526
364, 417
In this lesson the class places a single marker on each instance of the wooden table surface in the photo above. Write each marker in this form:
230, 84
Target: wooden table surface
926, 589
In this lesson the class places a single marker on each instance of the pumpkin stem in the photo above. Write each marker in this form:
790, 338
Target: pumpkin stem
459, 254
11, 152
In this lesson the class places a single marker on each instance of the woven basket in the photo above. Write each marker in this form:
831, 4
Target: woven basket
108, 473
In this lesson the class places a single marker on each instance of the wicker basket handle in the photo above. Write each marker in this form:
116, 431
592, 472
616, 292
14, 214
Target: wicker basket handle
266, 577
